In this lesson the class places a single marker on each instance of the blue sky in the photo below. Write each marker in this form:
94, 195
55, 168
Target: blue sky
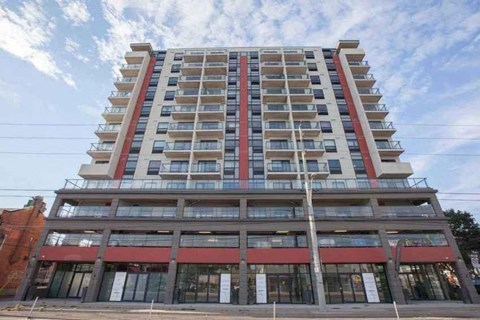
58, 60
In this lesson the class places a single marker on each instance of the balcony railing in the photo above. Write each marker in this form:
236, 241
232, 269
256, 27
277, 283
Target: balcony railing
378, 125
121, 94
358, 63
211, 212
418, 239
140, 240
184, 108
311, 145
179, 126
206, 168
297, 77
73, 239
178, 146
209, 241
277, 125
192, 65
215, 64
83, 211
295, 63
374, 107
146, 212
189, 78
131, 66
276, 241
211, 108
207, 146
102, 146
343, 212
273, 77
306, 125
116, 110
109, 127
174, 168
279, 145
315, 167
366, 76
209, 126
388, 145
300, 91
126, 79
407, 211
274, 91
275, 212
368, 91
303, 107
292, 51
348, 240
281, 167
213, 78
275, 107
212, 92
165, 184
187, 92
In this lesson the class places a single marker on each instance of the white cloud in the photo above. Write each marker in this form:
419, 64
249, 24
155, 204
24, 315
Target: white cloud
26, 35
72, 47
75, 11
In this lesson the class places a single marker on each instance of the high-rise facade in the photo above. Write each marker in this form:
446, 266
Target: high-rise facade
244, 176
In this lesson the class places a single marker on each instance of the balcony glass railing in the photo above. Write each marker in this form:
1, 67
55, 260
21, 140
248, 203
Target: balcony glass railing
281, 167
59, 239
165, 184
102, 146
194, 52
367, 76
272, 64
177, 146
379, 125
116, 110
388, 145
181, 126
311, 145
146, 212
83, 211
275, 107
295, 63
298, 77
304, 107
270, 51
213, 92
140, 240
209, 126
348, 240
273, 125
192, 65
187, 92
279, 145
343, 212
189, 78
306, 125
315, 167
374, 107
292, 51
214, 78
174, 168
418, 239
215, 52
215, 64
275, 212
109, 127
375, 91
131, 66
277, 241
273, 77
211, 212
209, 241
184, 109
126, 79
206, 167
207, 146
407, 211
211, 108
121, 94
274, 91
358, 63
300, 91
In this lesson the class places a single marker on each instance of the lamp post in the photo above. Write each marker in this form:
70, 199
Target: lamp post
314, 255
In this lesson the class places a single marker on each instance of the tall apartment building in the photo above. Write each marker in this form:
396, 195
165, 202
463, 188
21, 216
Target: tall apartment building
196, 189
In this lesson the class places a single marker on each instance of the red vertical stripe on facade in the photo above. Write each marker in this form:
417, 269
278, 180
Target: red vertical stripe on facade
243, 139
357, 127
133, 122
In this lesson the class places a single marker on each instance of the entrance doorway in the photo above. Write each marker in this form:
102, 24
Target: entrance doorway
421, 282
69, 280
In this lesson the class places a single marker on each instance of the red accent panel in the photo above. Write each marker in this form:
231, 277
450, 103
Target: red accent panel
426, 254
243, 138
208, 255
133, 122
352, 255
128, 254
83, 254
278, 255
357, 127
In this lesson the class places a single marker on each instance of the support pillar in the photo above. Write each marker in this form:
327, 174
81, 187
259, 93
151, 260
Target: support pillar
98, 268
170, 296
243, 269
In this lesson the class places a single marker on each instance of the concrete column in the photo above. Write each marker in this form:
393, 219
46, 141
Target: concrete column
469, 293
377, 212
32, 267
436, 206
180, 208
393, 280
243, 209
98, 268
113, 208
55, 206
243, 270
172, 267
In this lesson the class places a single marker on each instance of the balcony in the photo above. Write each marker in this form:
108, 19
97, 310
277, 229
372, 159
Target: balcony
319, 169
294, 54
389, 148
364, 80
135, 57
95, 171
206, 171
211, 112
208, 150
275, 213
83, 211
101, 151
343, 212
275, 111
277, 129
214, 82
273, 81
274, 95
215, 68
190, 56
298, 80
425, 211
187, 96
270, 55
375, 111
359, 67
209, 129
296, 67
180, 130
177, 149
211, 212
108, 131
279, 149
302, 111
301, 95
382, 129
310, 129
395, 170
272, 67
348, 240
120, 97
174, 171
114, 114
125, 83
212, 96
312, 148
130, 70
146, 212
217, 56
189, 82
369, 95
185, 112
191, 68
281, 171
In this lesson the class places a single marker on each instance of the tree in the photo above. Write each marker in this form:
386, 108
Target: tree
466, 231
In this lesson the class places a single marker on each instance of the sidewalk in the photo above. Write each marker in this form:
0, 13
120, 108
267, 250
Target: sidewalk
73, 309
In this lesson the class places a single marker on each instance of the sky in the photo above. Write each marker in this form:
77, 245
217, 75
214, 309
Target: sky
58, 60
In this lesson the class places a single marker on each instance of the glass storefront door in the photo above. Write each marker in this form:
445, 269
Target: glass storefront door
69, 279
421, 282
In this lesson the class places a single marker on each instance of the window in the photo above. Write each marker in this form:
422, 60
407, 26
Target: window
330, 145
145, 111
169, 95
130, 166
338, 94
318, 94
326, 126
322, 109
359, 166
162, 127
166, 110
158, 146
343, 109
178, 56
141, 126
309, 55
312, 67
172, 81
315, 79
353, 145
348, 126
334, 166
136, 144
154, 167
150, 93
175, 68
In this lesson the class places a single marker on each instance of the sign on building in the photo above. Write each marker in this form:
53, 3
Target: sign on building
370, 287
225, 287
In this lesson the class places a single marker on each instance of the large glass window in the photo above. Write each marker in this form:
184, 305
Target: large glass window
417, 239
277, 240
154, 239
208, 239
87, 239
345, 240
69, 280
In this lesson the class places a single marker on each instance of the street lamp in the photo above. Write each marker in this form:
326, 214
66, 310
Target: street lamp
317, 266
